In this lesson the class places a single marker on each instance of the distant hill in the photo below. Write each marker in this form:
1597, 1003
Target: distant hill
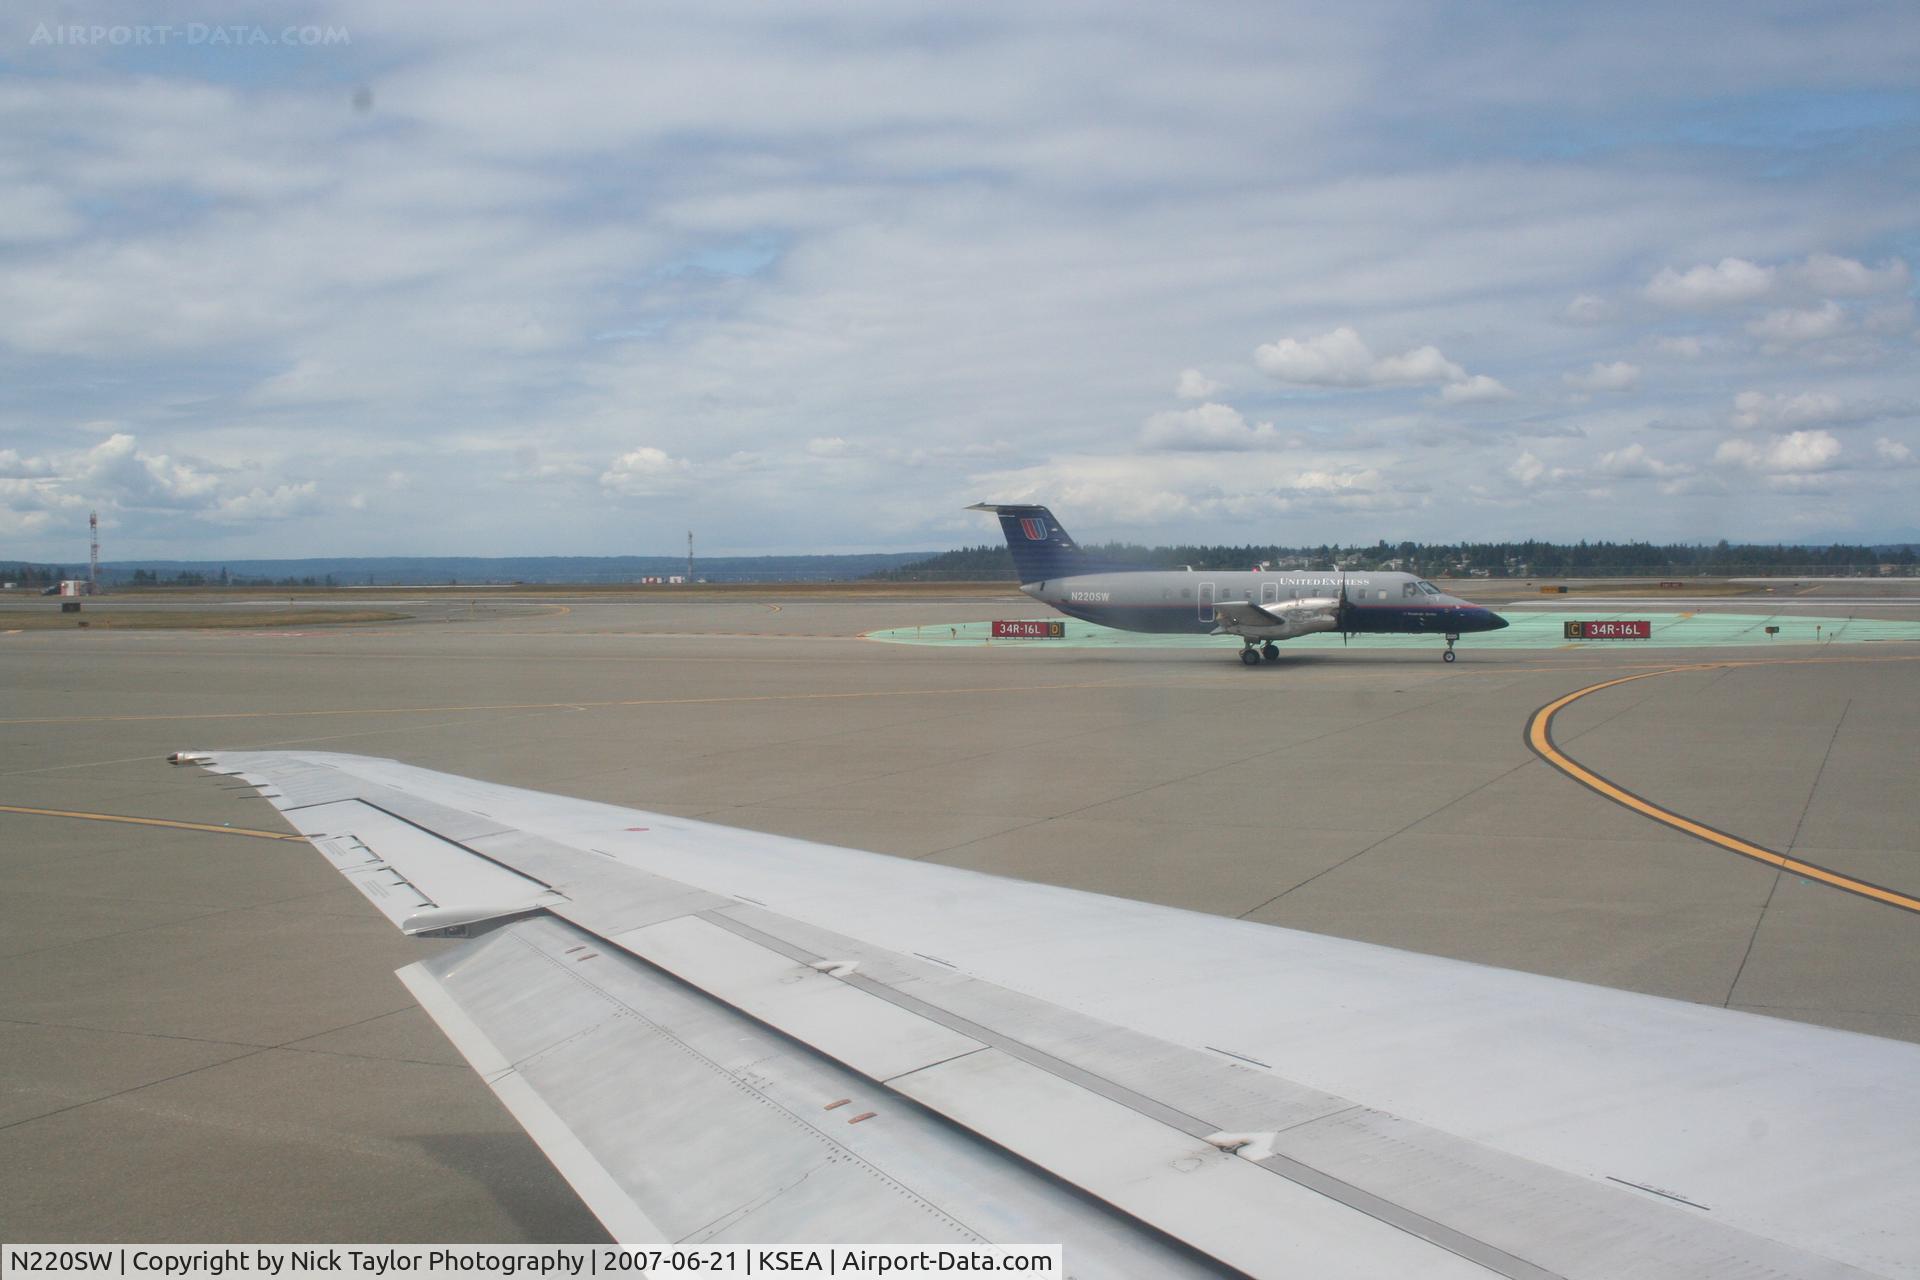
991, 562
348, 571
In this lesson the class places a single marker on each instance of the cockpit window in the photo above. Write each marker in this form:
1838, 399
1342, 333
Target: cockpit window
1429, 588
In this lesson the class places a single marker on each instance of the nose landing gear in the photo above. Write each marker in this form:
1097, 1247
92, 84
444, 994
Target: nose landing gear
1449, 655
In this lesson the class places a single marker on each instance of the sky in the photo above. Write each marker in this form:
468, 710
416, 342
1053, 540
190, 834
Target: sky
357, 278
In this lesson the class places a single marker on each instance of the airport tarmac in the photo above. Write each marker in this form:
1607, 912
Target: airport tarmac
201, 1038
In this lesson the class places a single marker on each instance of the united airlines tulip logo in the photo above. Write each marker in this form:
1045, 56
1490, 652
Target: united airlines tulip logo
1036, 530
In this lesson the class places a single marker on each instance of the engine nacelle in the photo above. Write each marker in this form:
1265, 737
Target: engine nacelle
1300, 624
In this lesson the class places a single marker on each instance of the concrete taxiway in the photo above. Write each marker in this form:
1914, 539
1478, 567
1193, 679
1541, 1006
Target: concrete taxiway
201, 1037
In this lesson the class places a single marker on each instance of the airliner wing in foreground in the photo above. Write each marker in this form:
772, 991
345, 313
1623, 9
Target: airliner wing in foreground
720, 1035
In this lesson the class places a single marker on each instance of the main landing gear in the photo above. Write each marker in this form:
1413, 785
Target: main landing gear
1253, 653
1448, 656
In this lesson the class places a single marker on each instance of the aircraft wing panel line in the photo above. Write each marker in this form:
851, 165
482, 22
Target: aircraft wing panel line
1498, 1210
873, 1036
870, 1028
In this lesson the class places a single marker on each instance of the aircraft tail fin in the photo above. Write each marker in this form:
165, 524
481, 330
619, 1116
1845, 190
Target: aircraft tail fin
1041, 549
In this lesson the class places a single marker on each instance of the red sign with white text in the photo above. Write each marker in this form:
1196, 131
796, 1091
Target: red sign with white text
1037, 629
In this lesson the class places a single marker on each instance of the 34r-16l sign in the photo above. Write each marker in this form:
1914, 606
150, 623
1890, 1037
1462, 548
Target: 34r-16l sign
1617, 629
1039, 629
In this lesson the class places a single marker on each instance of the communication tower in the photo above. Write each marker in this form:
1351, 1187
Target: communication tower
93, 562
689, 555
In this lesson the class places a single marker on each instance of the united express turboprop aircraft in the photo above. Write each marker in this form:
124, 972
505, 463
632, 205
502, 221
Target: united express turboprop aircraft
1259, 606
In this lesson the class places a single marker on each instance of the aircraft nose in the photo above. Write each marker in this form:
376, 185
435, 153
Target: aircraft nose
1494, 621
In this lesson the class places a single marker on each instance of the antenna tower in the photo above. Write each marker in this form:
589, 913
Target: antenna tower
689, 555
93, 563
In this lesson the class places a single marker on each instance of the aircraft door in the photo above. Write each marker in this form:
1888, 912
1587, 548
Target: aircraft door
1206, 602
1269, 592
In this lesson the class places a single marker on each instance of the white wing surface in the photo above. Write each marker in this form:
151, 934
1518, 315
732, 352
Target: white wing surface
719, 1035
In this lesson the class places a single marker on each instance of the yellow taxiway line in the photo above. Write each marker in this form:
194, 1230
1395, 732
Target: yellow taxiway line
1540, 738
150, 822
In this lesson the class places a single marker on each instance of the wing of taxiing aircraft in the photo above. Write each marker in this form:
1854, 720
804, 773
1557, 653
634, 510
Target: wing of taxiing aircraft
1292, 617
719, 1035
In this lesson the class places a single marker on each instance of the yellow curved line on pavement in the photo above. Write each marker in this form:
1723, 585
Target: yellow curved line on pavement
149, 822
1540, 738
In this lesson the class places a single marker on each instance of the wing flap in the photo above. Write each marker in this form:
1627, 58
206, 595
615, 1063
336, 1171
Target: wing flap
1243, 613
679, 1119
415, 878
1181, 1184
877, 1039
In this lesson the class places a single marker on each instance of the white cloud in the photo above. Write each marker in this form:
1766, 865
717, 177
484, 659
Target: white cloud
1788, 326
1422, 366
1616, 376
1685, 347
828, 447
1699, 288
14, 465
118, 468
1133, 493
1830, 274
1796, 453
1194, 385
1336, 359
1341, 359
645, 472
1892, 453
1634, 462
279, 503
1478, 389
128, 482
1207, 426
1530, 472
1779, 410
1587, 309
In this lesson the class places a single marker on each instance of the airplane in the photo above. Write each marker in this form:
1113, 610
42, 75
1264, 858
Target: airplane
722, 1036
1260, 606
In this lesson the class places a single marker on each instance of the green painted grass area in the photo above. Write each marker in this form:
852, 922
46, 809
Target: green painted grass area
1536, 630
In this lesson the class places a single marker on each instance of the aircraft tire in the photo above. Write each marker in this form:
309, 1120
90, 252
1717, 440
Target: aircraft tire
1270, 652
1250, 656
1448, 656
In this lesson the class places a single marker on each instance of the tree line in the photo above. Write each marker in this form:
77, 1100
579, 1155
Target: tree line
1526, 559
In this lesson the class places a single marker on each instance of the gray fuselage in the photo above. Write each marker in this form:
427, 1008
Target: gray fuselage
1188, 600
